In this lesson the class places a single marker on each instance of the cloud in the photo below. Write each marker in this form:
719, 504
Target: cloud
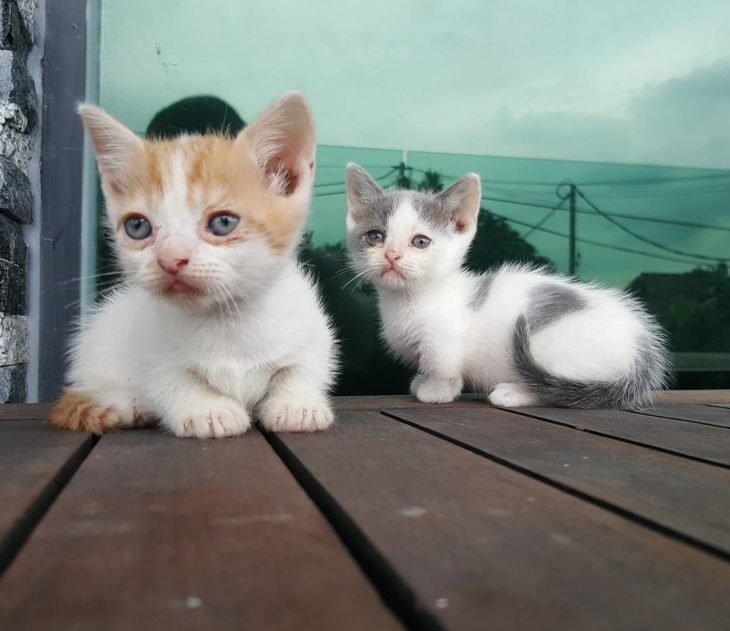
683, 121
575, 135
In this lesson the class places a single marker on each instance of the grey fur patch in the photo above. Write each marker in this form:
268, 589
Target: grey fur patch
378, 211
632, 390
431, 209
484, 284
371, 207
550, 302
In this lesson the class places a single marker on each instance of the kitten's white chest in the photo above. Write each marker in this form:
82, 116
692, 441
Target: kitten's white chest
241, 363
402, 333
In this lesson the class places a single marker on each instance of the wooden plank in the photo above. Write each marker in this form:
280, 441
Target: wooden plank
484, 546
669, 397
35, 463
708, 414
398, 401
164, 533
378, 402
702, 442
24, 411
690, 498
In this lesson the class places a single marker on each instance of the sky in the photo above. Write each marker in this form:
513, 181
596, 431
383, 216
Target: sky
626, 82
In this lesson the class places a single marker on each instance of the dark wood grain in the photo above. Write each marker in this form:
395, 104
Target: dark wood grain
702, 442
709, 414
690, 498
484, 546
377, 402
164, 533
24, 411
32, 464
397, 401
673, 397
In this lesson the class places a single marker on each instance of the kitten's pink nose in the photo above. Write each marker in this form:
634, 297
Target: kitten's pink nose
172, 257
172, 265
392, 256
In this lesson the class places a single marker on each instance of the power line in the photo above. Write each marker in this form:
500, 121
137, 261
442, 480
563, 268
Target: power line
596, 243
542, 221
627, 182
657, 180
377, 179
677, 222
536, 204
644, 239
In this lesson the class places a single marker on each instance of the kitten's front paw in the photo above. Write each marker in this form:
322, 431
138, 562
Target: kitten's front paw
218, 419
417, 381
296, 415
434, 390
512, 395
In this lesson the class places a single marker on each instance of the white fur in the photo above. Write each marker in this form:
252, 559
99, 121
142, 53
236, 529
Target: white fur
428, 320
254, 340
202, 373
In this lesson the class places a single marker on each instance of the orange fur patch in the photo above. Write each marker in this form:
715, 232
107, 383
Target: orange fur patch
219, 171
77, 412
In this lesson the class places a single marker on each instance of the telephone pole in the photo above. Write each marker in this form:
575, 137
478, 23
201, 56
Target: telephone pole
572, 260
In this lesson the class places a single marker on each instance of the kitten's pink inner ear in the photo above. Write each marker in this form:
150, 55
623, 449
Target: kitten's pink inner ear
283, 143
281, 177
462, 199
115, 145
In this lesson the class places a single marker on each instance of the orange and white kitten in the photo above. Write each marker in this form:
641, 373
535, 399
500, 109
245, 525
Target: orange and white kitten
216, 321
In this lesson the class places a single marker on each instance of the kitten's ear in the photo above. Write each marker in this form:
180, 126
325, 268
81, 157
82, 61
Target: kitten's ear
283, 143
462, 200
115, 145
362, 192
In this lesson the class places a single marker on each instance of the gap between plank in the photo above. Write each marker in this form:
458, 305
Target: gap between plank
565, 488
674, 418
622, 439
394, 591
23, 528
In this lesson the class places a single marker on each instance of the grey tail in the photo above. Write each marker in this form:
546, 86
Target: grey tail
632, 390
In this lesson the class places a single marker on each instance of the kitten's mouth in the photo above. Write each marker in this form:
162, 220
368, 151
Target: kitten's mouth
180, 288
393, 271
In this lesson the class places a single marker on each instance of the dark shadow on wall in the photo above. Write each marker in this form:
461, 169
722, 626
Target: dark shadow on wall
195, 115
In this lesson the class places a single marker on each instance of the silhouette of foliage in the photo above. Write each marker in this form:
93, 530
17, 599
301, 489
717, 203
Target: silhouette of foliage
692, 307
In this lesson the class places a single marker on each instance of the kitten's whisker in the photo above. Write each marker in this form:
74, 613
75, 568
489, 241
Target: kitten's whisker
358, 277
80, 278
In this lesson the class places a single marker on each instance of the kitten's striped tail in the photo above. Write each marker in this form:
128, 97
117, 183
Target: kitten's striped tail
633, 389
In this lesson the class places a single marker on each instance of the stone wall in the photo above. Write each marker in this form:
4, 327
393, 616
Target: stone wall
18, 113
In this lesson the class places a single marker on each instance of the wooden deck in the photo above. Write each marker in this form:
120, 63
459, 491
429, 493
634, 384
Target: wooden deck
461, 517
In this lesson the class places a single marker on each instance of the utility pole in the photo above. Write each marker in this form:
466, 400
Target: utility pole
572, 260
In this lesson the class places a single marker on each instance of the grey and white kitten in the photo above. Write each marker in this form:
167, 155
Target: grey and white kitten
520, 335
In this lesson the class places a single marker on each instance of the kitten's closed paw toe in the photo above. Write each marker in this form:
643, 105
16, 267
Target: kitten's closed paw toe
296, 415
511, 395
417, 381
218, 420
78, 412
432, 390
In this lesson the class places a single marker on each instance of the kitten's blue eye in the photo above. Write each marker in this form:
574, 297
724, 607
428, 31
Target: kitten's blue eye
421, 241
375, 237
223, 224
137, 227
